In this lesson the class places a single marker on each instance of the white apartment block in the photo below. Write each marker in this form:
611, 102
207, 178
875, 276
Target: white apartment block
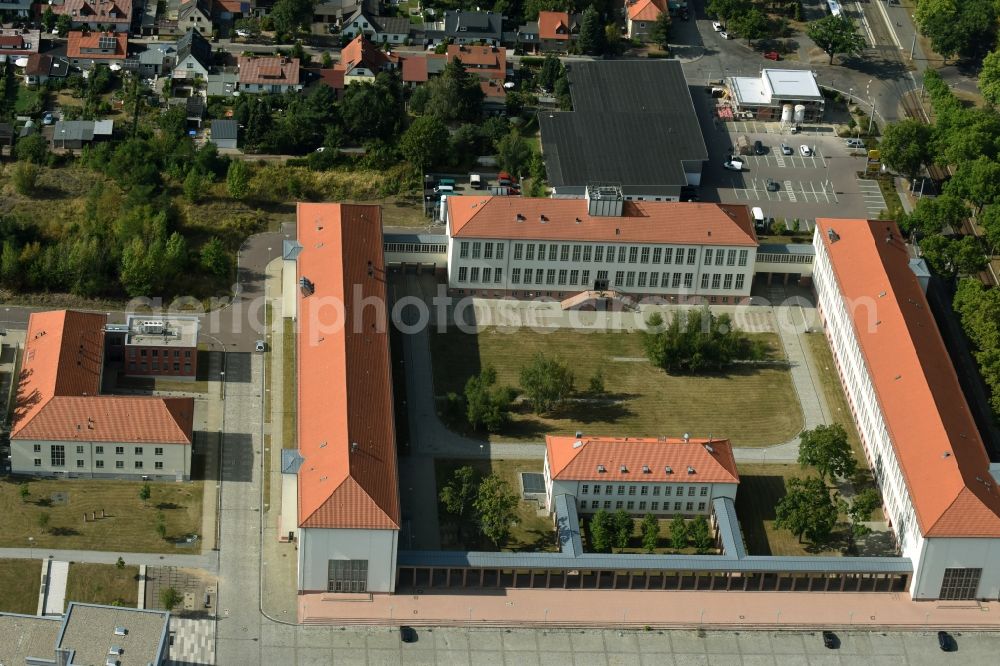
661, 476
558, 248
919, 436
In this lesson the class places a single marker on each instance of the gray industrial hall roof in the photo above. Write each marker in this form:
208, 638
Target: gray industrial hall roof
729, 527
633, 123
224, 129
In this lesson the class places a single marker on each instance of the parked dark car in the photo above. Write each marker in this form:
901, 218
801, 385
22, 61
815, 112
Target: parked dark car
407, 634
772, 185
946, 642
830, 640
758, 148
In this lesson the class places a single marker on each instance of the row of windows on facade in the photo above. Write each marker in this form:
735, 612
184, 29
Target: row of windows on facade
156, 366
428, 248
630, 506
99, 464
98, 450
156, 352
641, 279
633, 254
585, 489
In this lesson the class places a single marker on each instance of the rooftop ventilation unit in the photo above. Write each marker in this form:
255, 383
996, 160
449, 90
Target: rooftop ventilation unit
579, 434
578, 443
121, 631
687, 437
832, 235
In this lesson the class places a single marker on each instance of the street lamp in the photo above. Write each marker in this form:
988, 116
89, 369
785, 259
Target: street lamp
31, 547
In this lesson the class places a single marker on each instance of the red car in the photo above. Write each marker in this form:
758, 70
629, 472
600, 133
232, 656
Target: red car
772, 55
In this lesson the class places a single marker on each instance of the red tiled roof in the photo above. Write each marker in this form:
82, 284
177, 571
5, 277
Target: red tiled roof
346, 433
484, 61
11, 41
493, 89
567, 219
937, 444
332, 77
553, 25
646, 10
269, 70
57, 395
362, 53
96, 11
232, 6
79, 41
38, 64
414, 69
577, 459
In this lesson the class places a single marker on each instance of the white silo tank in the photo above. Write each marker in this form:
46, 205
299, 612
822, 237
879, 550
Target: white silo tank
786, 114
800, 113
443, 210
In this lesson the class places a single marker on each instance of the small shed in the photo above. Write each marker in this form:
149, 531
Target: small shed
224, 133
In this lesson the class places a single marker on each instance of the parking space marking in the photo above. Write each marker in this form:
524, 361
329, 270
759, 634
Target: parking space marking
780, 160
791, 191
871, 194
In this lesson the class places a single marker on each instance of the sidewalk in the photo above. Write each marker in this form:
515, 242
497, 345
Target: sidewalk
638, 608
208, 561
55, 590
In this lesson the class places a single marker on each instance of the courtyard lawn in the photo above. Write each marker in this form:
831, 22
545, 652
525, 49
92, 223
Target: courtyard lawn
635, 541
129, 525
532, 532
834, 393
103, 584
761, 488
752, 406
20, 581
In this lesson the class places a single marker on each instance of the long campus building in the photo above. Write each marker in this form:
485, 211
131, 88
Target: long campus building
931, 465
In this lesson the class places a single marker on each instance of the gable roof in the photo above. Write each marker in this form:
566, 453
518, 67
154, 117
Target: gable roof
99, 12
362, 53
225, 129
555, 25
191, 43
77, 41
414, 68
268, 70
57, 393
483, 61
935, 439
641, 459
189, 7
568, 219
346, 434
646, 10
473, 25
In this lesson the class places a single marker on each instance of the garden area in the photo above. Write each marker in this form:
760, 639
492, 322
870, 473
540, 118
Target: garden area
103, 584
51, 513
753, 405
20, 582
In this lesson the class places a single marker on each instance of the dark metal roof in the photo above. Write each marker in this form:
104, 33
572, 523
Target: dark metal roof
633, 124
427, 239
291, 460
193, 44
729, 527
485, 25
789, 248
568, 525
224, 129
290, 249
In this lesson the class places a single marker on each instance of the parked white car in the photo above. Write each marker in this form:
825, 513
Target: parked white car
805, 151
718, 27
724, 34
733, 164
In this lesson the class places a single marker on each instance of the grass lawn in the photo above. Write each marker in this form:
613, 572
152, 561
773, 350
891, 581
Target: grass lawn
29, 101
288, 387
20, 581
635, 542
834, 393
761, 488
103, 584
162, 384
752, 407
532, 532
129, 523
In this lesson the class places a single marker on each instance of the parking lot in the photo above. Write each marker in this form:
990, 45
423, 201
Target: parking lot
824, 183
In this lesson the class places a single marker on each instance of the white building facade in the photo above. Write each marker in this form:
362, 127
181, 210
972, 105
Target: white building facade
526, 248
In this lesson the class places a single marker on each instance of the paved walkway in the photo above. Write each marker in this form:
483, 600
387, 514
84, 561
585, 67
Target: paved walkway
207, 561
55, 590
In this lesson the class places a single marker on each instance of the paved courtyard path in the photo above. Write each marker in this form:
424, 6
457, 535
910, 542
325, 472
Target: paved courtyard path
55, 589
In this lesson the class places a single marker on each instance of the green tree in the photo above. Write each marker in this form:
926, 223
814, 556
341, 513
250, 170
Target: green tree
660, 32
33, 148
989, 78
496, 507
650, 529
23, 491
175, 256
836, 34
989, 220
826, 448
546, 382
25, 178
679, 533
696, 341
214, 257
978, 182
456, 95
965, 28
596, 384
63, 24
726, 10
289, 16
486, 404
752, 25
373, 111
43, 521
48, 19
550, 71
169, 598
949, 256
933, 214
514, 153
592, 40
161, 526
425, 142
250, 25
195, 185
120, 563
601, 531
859, 510
806, 510
144, 492
906, 146
622, 528
701, 534
138, 268
458, 495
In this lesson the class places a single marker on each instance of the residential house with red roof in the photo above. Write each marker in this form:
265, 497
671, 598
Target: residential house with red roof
85, 50
63, 426
940, 491
561, 248
16, 42
96, 14
343, 477
361, 60
641, 15
662, 476
553, 32
268, 74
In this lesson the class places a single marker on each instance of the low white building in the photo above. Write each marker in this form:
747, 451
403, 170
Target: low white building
344, 481
767, 95
926, 454
663, 477
526, 247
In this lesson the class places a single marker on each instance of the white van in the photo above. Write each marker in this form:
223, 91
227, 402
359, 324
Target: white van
444, 189
758, 218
